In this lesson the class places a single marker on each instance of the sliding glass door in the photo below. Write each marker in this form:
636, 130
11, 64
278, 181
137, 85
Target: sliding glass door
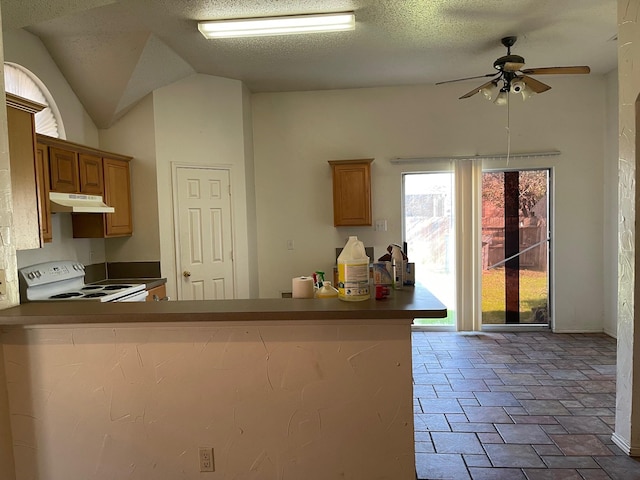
429, 232
515, 247
503, 277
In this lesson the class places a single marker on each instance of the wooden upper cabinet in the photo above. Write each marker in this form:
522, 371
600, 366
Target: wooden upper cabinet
117, 195
63, 165
43, 184
75, 168
91, 177
22, 165
351, 192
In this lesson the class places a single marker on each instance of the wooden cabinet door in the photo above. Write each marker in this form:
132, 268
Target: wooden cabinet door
22, 143
160, 292
42, 184
64, 170
91, 179
117, 195
351, 192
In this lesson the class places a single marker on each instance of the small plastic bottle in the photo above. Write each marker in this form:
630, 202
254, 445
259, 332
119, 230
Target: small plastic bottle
326, 291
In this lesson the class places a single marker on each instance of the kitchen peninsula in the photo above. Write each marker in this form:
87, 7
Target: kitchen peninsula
278, 388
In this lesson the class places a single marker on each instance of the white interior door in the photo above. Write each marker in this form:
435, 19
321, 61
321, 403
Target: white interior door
204, 240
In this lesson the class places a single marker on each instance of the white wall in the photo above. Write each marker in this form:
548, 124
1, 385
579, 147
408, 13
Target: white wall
23, 48
199, 121
250, 181
295, 134
134, 135
610, 230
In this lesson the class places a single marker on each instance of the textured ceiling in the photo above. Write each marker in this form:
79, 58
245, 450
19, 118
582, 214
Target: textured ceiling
113, 53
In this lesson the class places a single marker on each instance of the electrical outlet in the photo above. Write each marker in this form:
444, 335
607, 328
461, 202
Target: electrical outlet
3, 283
290, 245
206, 459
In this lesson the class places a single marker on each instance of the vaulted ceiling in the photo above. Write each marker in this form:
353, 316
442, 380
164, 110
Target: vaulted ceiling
113, 53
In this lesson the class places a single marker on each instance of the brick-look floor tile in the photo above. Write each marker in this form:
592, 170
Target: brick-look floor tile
435, 466
496, 399
544, 407
516, 406
581, 424
580, 445
561, 461
496, 474
476, 460
487, 414
620, 467
456, 442
515, 456
552, 474
523, 434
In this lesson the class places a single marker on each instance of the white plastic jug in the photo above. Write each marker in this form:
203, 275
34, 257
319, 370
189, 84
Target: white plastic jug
353, 272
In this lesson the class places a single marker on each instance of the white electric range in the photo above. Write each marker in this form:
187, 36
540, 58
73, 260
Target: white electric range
64, 280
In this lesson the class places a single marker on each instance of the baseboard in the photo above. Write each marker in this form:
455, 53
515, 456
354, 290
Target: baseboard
622, 444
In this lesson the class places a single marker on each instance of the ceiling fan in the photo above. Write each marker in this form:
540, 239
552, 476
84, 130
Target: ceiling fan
511, 77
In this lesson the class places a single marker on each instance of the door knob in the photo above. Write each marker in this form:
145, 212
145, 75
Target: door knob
186, 274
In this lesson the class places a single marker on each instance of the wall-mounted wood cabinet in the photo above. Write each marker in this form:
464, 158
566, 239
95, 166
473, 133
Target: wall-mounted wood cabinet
74, 172
117, 194
91, 175
74, 168
25, 187
44, 186
351, 192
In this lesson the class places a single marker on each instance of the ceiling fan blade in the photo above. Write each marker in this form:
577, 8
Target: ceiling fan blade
556, 70
469, 78
534, 84
476, 90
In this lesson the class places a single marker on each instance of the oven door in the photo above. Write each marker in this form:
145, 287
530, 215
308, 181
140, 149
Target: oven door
140, 296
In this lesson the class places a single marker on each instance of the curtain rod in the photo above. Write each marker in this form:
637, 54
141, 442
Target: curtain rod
495, 156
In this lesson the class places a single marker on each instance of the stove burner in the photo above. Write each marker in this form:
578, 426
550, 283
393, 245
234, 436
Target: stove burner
115, 287
67, 295
91, 287
95, 295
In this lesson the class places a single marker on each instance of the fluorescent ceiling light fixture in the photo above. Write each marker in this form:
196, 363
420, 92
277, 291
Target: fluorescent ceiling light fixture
256, 27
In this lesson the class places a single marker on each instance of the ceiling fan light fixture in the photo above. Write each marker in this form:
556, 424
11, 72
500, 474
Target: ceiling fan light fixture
527, 93
287, 25
488, 91
517, 86
502, 98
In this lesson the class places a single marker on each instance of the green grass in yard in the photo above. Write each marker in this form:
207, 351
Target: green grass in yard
533, 294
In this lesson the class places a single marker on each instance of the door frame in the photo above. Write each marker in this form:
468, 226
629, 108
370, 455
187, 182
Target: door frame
175, 166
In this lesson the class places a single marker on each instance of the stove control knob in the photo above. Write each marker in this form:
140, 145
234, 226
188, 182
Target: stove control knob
31, 275
37, 273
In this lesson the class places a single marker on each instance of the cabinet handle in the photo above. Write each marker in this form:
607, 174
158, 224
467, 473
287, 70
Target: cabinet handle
186, 274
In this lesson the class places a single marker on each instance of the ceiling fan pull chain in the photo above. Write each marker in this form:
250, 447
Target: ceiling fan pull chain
508, 130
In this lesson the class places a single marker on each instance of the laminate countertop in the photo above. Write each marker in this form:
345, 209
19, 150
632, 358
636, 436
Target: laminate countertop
405, 304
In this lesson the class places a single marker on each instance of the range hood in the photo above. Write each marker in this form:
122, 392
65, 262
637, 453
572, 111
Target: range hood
78, 203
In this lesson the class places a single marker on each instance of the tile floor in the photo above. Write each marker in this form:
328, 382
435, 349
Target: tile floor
516, 406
